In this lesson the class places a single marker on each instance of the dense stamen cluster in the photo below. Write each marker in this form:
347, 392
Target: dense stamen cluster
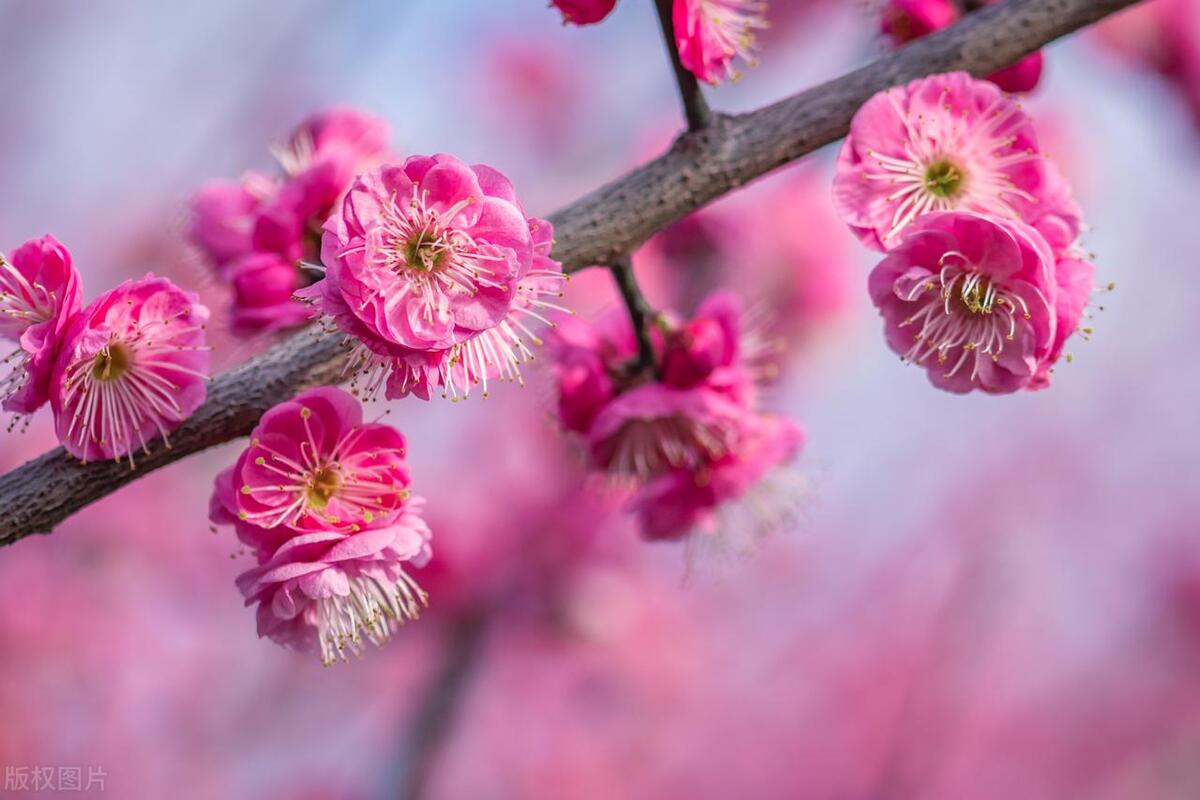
372, 609
967, 310
953, 161
362, 481
23, 302
132, 379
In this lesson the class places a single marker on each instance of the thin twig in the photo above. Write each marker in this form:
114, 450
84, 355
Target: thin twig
640, 313
600, 228
695, 107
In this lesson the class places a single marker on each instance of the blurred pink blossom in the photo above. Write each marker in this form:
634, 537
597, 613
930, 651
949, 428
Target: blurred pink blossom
712, 34
584, 12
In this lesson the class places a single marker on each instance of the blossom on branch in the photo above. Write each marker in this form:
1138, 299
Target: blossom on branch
943, 143
712, 34
980, 302
259, 232
433, 267
323, 500
672, 436
39, 293
131, 367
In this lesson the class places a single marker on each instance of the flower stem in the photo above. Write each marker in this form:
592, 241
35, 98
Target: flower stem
640, 312
695, 108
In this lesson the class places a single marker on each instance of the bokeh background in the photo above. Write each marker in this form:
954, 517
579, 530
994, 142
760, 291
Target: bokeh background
985, 598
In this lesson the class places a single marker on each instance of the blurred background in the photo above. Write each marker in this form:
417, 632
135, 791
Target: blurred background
987, 597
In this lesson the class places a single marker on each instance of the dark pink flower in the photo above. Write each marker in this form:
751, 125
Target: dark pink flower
943, 143
265, 228
584, 12
323, 500
131, 366
748, 492
39, 295
905, 20
667, 435
313, 465
973, 299
434, 268
711, 34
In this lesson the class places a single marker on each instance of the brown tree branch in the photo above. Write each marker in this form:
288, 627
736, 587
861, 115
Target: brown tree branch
601, 228
640, 312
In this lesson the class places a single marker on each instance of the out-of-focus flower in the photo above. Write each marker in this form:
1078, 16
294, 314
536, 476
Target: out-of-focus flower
711, 34
131, 366
947, 142
905, 20
434, 268
324, 501
974, 300
258, 232
672, 435
584, 12
39, 294
1164, 36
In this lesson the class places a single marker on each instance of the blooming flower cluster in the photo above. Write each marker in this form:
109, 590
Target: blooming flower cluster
323, 501
124, 370
691, 439
260, 231
710, 34
905, 20
984, 279
434, 269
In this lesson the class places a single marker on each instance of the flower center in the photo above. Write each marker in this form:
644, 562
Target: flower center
424, 252
323, 485
978, 294
944, 179
110, 363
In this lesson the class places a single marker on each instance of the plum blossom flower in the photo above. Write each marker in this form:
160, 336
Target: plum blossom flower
671, 436
905, 20
976, 301
323, 499
942, 143
39, 294
131, 366
711, 34
584, 12
434, 268
260, 231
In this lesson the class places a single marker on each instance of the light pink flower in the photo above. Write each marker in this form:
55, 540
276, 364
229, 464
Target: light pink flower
947, 142
132, 365
222, 216
312, 464
434, 268
972, 299
328, 591
39, 294
584, 12
747, 492
711, 34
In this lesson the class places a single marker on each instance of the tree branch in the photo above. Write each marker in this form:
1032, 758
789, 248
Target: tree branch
640, 312
603, 227
695, 107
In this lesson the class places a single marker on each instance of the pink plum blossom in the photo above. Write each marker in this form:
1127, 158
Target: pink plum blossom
947, 142
39, 295
258, 232
711, 34
131, 366
584, 12
671, 436
972, 299
323, 500
905, 20
434, 268
313, 465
